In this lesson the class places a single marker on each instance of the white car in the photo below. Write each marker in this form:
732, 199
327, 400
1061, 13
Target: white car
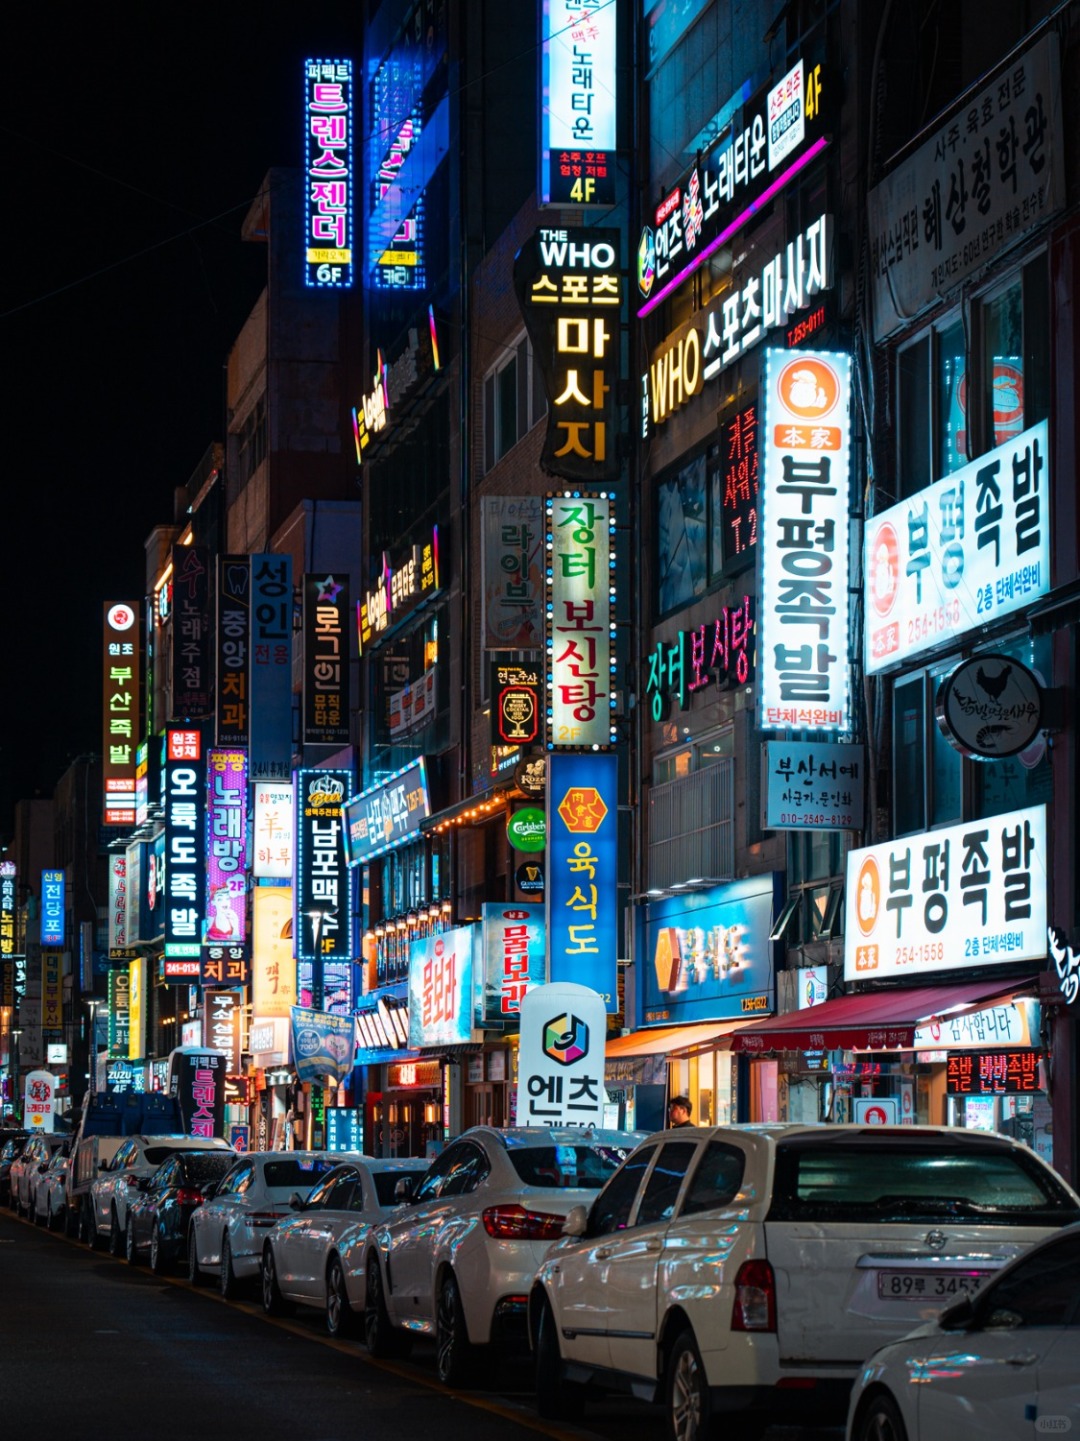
316, 1257
458, 1260
1003, 1364
38, 1152
131, 1166
227, 1231
48, 1190
750, 1270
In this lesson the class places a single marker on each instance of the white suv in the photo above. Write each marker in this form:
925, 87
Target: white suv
753, 1269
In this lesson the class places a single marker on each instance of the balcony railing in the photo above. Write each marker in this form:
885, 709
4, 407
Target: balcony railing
692, 827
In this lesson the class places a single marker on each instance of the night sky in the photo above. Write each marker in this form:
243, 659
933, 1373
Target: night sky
134, 137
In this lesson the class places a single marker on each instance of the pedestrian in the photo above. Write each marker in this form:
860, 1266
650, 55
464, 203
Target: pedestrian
679, 1111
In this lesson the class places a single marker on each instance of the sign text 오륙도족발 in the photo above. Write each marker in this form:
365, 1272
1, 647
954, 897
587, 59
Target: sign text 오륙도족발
962, 553
185, 840
805, 481
580, 621
578, 102
329, 173
948, 900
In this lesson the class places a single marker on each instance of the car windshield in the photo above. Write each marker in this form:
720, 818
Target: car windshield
586, 1167
204, 1166
296, 1175
916, 1181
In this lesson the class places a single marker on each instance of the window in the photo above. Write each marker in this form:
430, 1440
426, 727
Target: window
717, 1179
611, 1209
251, 441
973, 380
441, 1168
665, 1182
814, 909
715, 746
1043, 1290
570, 1167
513, 401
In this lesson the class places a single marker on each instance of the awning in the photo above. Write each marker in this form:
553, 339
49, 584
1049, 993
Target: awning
875, 1020
675, 1041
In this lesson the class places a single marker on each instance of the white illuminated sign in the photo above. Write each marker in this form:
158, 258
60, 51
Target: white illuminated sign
580, 621
961, 554
805, 481
948, 900
578, 110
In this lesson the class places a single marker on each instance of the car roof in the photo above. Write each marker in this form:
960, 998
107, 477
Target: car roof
515, 1137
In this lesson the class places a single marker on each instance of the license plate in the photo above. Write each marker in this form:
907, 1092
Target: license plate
928, 1285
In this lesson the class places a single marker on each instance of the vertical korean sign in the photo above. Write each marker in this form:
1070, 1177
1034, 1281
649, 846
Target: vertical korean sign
328, 173
513, 560
581, 621
222, 1015
322, 930
226, 847
274, 830
52, 908
7, 933
569, 287
273, 967
233, 642
52, 992
326, 660
270, 672
137, 1009
191, 672
583, 871
185, 841
119, 1013
578, 102
120, 711
804, 551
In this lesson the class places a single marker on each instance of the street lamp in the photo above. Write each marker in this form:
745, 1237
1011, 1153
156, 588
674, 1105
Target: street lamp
95, 1004
15, 1033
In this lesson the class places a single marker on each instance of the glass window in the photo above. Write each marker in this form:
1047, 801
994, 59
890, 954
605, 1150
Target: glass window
1044, 1289
951, 385
733, 492
717, 1179
513, 401
202, 1167
665, 1182
567, 1166
386, 1186
681, 536
469, 1169
611, 1209
296, 1175
320, 1197
913, 418
909, 756
431, 1186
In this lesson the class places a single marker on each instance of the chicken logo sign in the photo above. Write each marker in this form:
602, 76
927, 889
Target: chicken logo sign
991, 706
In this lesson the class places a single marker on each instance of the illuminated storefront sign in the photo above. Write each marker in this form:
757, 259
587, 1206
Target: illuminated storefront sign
273, 966
270, 673
580, 620
197, 1080
515, 959
441, 989
222, 1019
52, 908
812, 785
396, 222
578, 102
323, 1045
323, 917
804, 662
744, 317
413, 705
122, 905
1008, 1024
273, 830
708, 953
561, 1057
569, 287
329, 175
989, 174
583, 871
513, 562
191, 674
233, 645
387, 815
137, 1009
736, 178
225, 920
992, 1073
735, 503
52, 991
961, 554
7, 910
120, 711
405, 582
963, 896
326, 660
337, 986
185, 841
224, 963
515, 704
119, 1013
717, 653
369, 417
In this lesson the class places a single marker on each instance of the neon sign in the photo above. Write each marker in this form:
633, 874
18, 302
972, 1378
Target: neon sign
328, 172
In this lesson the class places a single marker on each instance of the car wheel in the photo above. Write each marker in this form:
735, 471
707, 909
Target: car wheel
50, 1216
95, 1239
556, 1398
274, 1303
129, 1243
71, 1222
339, 1314
228, 1284
194, 1275
159, 1263
116, 1236
689, 1415
880, 1420
379, 1335
453, 1353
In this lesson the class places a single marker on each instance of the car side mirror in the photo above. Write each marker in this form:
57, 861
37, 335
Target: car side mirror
577, 1221
209, 1191
103, 1165
403, 1190
296, 1202
959, 1316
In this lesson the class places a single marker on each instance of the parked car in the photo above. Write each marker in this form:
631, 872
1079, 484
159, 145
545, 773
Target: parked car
1004, 1363
9, 1153
130, 1167
227, 1231
37, 1152
458, 1261
316, 1257
159, 1217
48, 1188
753, 1269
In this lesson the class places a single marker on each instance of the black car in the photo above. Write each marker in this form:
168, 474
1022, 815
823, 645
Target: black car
158, 1217
13, 1145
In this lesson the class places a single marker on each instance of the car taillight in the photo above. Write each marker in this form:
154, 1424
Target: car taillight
264, 1218
755, 1298
189, 1196
515, 1223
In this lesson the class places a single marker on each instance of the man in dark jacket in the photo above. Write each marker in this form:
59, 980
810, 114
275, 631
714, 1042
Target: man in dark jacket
679, 1111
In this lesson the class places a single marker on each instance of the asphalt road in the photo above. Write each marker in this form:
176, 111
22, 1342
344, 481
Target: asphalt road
92, 1347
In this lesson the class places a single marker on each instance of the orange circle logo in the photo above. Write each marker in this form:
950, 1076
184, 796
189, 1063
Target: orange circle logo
884, 568
868, 896
809, 387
